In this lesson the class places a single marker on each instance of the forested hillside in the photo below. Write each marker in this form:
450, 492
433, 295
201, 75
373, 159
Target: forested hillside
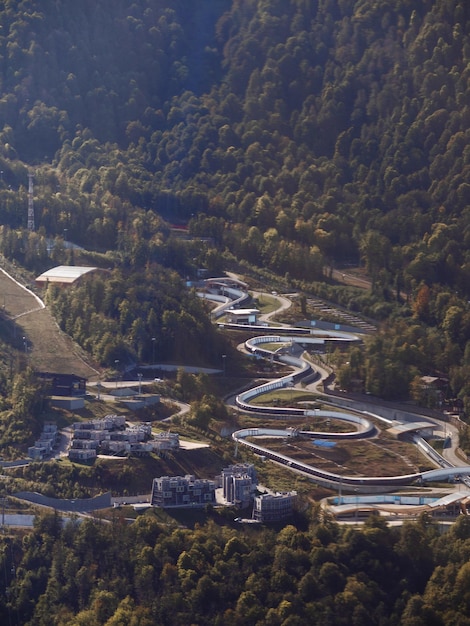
295, 134
290, 137
94, 573
169, 322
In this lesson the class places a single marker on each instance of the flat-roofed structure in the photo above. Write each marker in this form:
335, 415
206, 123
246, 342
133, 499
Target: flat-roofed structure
182, 491
399, 506
274, 507
243, 316
82, 455
65, 275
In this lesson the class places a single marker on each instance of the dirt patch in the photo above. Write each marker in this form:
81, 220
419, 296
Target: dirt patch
357, 458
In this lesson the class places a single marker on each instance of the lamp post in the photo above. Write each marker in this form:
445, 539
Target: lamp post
3, 502
224, 356
116, 363
153, 350
25, 345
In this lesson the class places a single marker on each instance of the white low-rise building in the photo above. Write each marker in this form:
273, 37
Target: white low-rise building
274, 507
77, 454
166, 441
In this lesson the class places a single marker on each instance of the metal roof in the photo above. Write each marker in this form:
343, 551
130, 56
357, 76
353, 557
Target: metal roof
64, 274
241, 312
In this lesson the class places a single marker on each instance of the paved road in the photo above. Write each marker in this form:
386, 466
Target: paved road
347, 278
284, 304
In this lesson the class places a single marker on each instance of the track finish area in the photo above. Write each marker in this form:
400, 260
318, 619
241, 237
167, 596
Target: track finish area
229, 294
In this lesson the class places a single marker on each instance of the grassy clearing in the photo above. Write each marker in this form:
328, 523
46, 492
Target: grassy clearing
48, 348
265, 303
273, 346
53, 350
280, 396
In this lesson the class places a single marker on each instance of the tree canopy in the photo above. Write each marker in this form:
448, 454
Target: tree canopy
146, 573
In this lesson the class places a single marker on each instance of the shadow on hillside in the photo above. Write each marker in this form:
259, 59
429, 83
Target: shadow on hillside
11, 334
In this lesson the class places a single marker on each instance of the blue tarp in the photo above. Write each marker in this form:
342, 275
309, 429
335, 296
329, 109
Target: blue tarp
324, 443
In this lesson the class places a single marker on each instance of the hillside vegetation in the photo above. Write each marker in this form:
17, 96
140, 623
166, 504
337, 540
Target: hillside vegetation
281, 139
293, 136
150, 573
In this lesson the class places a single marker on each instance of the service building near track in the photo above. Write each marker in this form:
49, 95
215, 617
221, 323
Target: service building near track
396, 507
62, 384
243, 316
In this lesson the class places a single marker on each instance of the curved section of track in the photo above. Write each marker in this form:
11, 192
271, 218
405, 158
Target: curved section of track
330, 479
304, 371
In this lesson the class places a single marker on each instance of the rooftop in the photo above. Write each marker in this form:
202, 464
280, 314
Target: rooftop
64, 274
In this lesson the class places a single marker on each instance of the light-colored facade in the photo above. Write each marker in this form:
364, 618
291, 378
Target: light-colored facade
166, 441
45, 444
65, 274
243, 316
111, 435
109, 422
77, 454
182, 491
274, 507
239, 484
238, 490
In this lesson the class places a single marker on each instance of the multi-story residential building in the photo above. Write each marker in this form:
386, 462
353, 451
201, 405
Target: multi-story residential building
94, 435
166, 441
84, 444
274, 507
115, 447
46, 442
109, 422
79, 454
111, 435
239, 483
182, 491
242, 468
238, 490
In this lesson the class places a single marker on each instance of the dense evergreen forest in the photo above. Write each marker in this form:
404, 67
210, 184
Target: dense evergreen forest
289, 136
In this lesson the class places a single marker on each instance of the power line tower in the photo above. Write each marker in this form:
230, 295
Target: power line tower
30, 203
